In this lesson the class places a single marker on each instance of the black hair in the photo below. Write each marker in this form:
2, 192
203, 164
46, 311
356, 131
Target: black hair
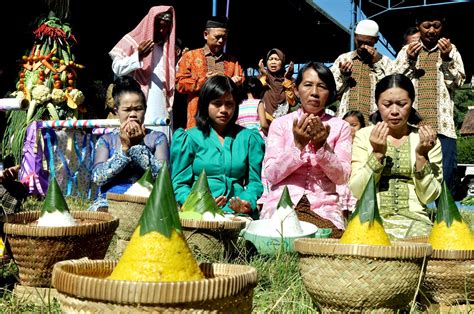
409, 31
324, 74
214, 88
253, 86
400, 81
357, 114
430, 14
126, 84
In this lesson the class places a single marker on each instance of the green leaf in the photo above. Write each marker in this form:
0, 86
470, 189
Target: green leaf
54, 200
161, 211
366, 206
147, 179
200, 199
447, 209
190, 215
285, 199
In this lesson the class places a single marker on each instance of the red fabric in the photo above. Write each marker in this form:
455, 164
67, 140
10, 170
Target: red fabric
144, 31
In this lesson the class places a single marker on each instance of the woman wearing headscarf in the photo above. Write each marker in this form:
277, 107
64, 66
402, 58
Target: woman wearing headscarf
278, 84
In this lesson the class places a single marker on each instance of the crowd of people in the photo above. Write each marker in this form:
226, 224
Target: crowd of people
254, 136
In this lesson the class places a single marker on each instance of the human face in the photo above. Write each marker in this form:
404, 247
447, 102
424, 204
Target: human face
354, 124
131, 108
394, 106
313, 93
274, 63
413, 38
221, 111
430, 32
361, 41
216, 39
162, 30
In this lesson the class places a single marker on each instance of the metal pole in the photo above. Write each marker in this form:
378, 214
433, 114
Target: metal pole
353, 23
214, 7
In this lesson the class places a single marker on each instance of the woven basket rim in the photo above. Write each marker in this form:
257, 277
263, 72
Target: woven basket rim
23, 229
398, 249
127, 198
206, 224
444, 254
67, 280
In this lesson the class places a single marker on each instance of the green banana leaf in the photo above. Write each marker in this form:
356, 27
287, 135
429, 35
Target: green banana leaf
447, 209
285, 199
161, 211
200, 199
367, 207
54, 200
147, 179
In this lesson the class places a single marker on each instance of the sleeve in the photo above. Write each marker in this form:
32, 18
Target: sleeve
106, 168
428, 179
403, 64
141, 155
122, 66
383, 67
342, 81
336, 163
364, 164
282, 157
182, 157
453, 70
188, 82
254, 188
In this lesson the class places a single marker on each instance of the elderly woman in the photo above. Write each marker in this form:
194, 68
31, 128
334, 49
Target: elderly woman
121, 157
405, 160
310, 151
230, 154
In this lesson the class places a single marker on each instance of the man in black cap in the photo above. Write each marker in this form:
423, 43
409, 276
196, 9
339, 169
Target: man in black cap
199, 64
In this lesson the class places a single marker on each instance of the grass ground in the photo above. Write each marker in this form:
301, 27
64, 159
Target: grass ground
279, 289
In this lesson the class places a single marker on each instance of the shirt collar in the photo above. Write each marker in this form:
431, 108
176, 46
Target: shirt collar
207, 52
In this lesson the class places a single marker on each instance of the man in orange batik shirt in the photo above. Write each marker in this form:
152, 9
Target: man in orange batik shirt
199, 64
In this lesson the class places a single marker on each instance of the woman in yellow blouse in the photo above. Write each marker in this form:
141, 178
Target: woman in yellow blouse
405, 159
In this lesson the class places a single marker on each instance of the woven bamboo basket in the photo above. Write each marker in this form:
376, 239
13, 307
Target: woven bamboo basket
214, 240
361, 278
449, 275
128, 209
83, 288
36, 249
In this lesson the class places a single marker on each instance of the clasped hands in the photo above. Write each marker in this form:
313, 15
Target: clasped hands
236, 204
131, 133
310, 129
444, 45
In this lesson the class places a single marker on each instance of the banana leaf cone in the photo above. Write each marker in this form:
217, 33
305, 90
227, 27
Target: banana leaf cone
200, 200
147, 179
285, 199
450, 232
365, 224
54, 200
158, 250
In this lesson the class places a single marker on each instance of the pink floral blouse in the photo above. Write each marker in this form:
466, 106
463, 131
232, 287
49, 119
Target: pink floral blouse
310, 172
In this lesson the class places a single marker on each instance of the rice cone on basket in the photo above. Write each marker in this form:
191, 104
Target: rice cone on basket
200, 201
143, 186
450, 232
285, 219
365, 224
157, 250
55, 212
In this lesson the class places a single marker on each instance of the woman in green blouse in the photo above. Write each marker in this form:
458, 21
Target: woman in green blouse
230, 154
405, 159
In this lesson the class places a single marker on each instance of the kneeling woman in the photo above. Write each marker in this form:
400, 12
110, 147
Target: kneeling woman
310, 151
122, 157
230, 154
405, 160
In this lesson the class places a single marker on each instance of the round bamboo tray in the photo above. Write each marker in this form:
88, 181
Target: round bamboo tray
36, 249
128, 209
83, 288
449, 278
344, 277
214, 240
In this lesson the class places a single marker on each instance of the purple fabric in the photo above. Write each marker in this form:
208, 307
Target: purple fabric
31, 172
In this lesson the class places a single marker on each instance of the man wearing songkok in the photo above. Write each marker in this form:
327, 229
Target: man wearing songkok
197, 65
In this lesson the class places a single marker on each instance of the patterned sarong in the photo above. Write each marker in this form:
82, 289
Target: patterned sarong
360, 94
427, 88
